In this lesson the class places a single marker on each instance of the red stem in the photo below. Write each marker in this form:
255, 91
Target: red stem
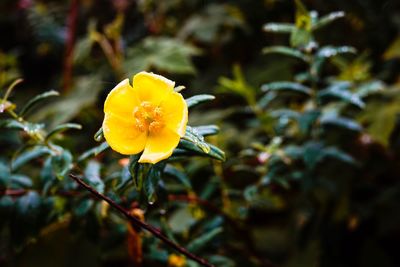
69, 50
156, 232
21, 192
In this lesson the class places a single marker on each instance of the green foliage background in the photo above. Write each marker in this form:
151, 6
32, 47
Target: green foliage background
306, 104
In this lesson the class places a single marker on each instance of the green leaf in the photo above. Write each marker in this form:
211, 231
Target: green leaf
294, 151
307, 119
279, 27
193, 136
162, 53
33, 128
179, 88
99, 135
287, 51
369, 88
331, 51
124, 178
215, 24
62, 163
36, 100
341, 122
302, 17
216, 153
9, 89
28, 206
92, 175
380, 119
288, 113
4, 176
47, 176
20, 181
206, 130
238, 85
179, 175
28, 127
181, 220
325, 20
64, 109
312, 154
286, 86
82, 50
198, 99
6, 105
62, 128
250, 193
393, 51
199, 243
150, 183
335, 153
83, 207
186, 148
94, 151
341, 91
29, 155
12, 124
327, 52
316, 152
137, 171
300, 38
267, 99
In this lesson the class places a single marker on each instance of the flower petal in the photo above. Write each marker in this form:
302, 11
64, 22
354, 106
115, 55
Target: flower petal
122, 135
121, 100
175, 112
152, 87
159, 146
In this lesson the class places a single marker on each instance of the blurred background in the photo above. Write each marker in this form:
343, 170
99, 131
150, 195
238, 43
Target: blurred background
311, 179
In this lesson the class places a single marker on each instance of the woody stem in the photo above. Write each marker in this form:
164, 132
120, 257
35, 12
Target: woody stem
154, 231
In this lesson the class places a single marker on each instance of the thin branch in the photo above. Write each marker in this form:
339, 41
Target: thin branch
13, 192
156, 232
22, 192
70, 43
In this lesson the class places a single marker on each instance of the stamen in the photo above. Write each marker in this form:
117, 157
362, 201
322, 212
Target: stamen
155, 126
148, 117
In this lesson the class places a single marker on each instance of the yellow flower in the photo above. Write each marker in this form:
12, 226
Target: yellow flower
176, 261
148, 116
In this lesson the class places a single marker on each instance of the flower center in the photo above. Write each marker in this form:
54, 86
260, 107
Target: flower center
148, 117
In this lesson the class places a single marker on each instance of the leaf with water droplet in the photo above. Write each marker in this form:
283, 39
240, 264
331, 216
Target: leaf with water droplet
279, 27
99, 136
6, 105
150, 183
192, 135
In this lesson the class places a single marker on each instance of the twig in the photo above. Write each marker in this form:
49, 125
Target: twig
156, 232
22, 192
13, 192
70, 42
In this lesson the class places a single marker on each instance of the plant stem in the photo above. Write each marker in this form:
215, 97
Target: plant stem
154, 231
70, 42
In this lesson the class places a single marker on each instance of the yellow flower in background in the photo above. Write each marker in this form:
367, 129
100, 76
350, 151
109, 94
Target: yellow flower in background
148, 116
176, 261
